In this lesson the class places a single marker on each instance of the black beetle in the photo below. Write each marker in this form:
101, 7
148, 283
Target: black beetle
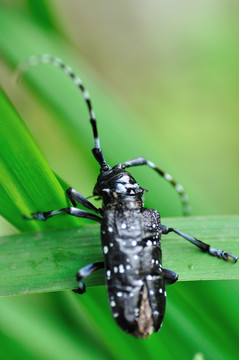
130, 234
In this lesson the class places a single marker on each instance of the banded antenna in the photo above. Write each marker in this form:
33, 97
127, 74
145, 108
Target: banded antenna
35, 60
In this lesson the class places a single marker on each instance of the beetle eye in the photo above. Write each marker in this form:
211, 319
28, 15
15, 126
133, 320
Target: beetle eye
120, 187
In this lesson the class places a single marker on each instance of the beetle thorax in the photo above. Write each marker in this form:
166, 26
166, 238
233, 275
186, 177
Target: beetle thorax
117, 187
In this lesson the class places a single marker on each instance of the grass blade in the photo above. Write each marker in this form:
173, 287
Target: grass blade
27, 182
48, 261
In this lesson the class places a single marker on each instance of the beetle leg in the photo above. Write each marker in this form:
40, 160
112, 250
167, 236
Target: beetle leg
222, 254
75, 197
170, 276
70, 210
86, 271
166, 176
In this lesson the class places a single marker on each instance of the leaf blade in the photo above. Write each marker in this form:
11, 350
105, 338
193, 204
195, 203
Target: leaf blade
47, 261
27, 181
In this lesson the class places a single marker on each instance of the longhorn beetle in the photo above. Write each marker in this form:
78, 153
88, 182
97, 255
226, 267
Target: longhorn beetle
130, 233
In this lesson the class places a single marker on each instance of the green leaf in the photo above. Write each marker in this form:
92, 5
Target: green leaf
48, 261
27, 183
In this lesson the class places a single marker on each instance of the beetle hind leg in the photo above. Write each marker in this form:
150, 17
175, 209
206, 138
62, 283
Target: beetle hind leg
222, 254
170, 277
84, 272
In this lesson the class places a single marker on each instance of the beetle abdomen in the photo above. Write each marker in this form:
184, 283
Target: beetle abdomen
131, 246
145, 324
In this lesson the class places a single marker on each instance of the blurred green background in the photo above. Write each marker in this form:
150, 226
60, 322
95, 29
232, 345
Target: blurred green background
164, 81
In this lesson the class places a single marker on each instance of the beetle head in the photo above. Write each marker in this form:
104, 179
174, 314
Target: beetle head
117, 184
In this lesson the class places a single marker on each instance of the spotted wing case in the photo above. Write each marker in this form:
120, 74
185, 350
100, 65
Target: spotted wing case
134, 278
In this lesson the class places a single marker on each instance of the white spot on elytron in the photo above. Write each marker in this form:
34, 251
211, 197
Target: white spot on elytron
149, 243
160, 290
168, 177
119, 294
151, 292
134, 243
123, 226
155, 242
115, 314
112, 303
156, 262
110, 229
121, 268
136, 311
111, 244
105, 249
115, 269
154, 226
151, 164
165, 294
131, 294
156, 313
152, 261
136, 257
179, 188
108, 274
128, 267
149, 277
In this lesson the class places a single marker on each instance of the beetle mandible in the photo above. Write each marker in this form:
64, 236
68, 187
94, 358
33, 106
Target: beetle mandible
130, 233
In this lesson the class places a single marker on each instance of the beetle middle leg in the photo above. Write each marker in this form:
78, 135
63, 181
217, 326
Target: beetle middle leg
222, 254
84, 272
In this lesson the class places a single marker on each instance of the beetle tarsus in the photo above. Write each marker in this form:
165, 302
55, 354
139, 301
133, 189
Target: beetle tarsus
81, 288
222, 254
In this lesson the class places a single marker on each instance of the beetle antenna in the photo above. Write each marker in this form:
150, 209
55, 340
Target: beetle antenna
35, 60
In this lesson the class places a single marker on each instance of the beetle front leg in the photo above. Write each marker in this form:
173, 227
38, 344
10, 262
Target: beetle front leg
75, 197
70, 210
86, 271
222, 254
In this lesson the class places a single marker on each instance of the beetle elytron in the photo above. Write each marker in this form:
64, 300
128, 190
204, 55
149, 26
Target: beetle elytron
130, 234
